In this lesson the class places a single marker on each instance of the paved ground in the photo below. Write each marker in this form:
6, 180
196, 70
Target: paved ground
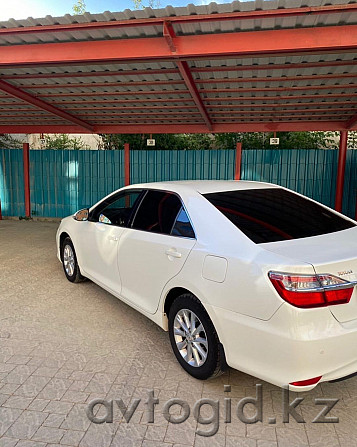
63, 345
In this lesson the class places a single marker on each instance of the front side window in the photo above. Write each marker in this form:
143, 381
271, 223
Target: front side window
274, 214
116, 210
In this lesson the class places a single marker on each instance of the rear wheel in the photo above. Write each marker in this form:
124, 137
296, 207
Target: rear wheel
69, 262
193, 338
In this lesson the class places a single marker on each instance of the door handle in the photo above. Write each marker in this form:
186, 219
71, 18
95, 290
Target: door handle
173, 253
113, 238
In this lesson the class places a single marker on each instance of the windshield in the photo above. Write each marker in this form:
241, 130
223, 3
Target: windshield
274, 214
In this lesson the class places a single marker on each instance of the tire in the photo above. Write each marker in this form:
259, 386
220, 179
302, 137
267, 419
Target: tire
197, 365
69, 262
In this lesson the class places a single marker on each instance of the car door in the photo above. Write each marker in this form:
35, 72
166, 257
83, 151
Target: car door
99, 238
154, 249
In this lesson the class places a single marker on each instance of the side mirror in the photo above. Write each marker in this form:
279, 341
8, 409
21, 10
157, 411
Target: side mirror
82, 215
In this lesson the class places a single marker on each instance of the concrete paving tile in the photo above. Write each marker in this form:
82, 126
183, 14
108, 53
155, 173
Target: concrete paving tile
77, 418
291, 438
54, 420
26, 424
7, 417
72, 437
48, 434
18, 402
8, 442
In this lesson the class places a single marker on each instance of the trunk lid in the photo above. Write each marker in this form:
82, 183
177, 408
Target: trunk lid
334, 253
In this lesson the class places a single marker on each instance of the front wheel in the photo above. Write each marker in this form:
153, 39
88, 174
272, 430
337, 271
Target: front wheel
194, 339
69, 262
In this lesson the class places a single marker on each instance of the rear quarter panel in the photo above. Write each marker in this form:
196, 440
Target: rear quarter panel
246, 288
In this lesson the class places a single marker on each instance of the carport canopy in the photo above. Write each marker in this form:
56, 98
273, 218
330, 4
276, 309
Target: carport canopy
250, 66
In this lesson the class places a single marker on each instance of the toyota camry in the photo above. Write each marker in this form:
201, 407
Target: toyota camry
246, 274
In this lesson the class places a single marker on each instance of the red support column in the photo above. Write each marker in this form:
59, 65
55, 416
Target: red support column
342, 153
238, 161
26, 161
126, 164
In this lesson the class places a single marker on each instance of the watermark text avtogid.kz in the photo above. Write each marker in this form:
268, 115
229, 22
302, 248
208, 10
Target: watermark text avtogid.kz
289, 410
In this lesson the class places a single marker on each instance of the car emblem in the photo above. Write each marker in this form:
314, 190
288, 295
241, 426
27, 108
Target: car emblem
345, 272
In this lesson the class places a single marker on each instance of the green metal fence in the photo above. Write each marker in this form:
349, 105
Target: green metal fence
63, 181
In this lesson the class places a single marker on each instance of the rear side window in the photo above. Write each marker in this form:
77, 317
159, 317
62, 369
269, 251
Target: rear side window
182, 226
157, 212
274, 214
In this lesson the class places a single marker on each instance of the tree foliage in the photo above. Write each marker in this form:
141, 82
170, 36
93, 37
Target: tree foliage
63, 141
8, 142
251, 140
162, 141
139, 4
79, 8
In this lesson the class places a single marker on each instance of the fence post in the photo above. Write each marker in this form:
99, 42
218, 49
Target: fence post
0, 211
26, 161
126, 164
342, 154
238, 164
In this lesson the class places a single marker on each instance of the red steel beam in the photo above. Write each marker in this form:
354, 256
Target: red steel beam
91, 74
206, 99
211, 99
352, 122
199, 91
17, 93
240, 15
150, 118
110, 113
26, 165
180, 82
278, 89
282, 105
342, 154
293, 126
273, 112
334, 39
140, 114
105, 84
274, 79
277, 97
184, 69
238, 163
165, 71
210, 108
234, 118
190, 83
123, 109
270, 67
126, 164
126, 93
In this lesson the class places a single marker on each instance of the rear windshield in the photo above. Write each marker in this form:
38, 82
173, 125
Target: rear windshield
274, 214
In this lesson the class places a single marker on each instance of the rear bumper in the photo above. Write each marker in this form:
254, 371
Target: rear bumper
294, 345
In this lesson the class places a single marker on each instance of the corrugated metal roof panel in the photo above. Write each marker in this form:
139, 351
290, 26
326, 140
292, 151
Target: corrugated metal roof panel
181, 29
264, 89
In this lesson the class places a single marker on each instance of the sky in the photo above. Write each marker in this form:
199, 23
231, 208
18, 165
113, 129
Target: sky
22, 9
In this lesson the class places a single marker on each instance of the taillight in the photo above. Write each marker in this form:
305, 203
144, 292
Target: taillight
308, 291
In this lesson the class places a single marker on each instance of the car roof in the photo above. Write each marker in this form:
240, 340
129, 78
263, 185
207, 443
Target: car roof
205, 186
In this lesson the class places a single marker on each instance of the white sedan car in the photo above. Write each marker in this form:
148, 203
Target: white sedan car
247, 274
